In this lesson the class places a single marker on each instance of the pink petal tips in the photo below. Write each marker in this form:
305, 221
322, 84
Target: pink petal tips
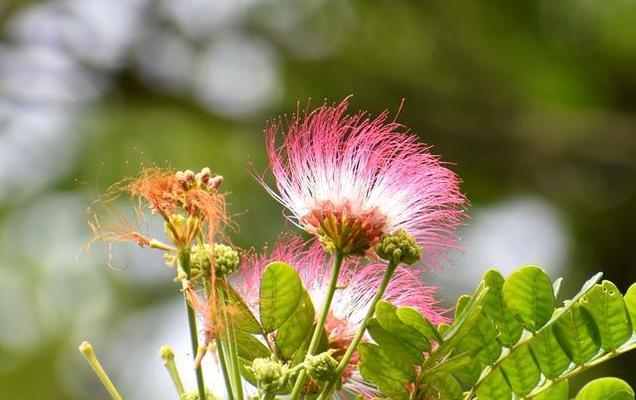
350, 178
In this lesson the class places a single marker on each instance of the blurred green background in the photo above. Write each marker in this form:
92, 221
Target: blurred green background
533, 101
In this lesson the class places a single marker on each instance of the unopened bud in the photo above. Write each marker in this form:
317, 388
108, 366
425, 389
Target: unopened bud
226, 259
200, 257
270, 374
204, 175
398, 247
321, 367
215, 182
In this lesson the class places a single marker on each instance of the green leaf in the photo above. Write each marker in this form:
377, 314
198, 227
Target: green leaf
528, 294
461, 303
446, 387
454, 363
521, 371
482, 338
509, 327
410, 337
462, 325
606, 389
556, 286
376, 367
577, 334
280, 292
249, 347
242, 317
494, 387
294, 331
390, 344
587, 286
607, 308
549, 354
630, 302
560, 391
411, 317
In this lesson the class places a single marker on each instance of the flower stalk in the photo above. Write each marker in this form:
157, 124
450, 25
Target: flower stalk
167, 354
89, 354
184, 259
338, 259
360, 333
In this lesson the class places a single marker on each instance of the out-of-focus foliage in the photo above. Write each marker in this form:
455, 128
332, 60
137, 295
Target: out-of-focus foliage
534, 101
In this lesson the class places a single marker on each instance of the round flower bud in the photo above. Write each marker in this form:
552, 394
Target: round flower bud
398, 247
200, 257
226, 259
270, 374
321, 367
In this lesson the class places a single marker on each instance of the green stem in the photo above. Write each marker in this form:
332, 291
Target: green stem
219, 348
361, 329
338, 258
580, 369
235, 365
226, 375
184, 258
91, 358
168, 361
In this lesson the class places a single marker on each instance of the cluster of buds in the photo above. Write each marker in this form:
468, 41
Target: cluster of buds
270, 374
202, 180
398, 247
321, 367
226, 259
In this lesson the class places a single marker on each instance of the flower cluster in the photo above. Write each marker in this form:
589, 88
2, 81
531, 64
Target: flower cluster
376, 200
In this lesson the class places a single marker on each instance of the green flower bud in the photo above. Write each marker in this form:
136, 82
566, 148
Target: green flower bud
398, 247
270, 374
226, 259
321, 367
200, 257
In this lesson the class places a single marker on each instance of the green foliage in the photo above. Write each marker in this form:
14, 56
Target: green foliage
606, 389
508, 340
281, 292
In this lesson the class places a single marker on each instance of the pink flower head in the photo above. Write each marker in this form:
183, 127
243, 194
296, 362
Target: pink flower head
349, 179
357, 285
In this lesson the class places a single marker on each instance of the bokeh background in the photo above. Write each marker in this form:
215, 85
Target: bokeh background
534, 101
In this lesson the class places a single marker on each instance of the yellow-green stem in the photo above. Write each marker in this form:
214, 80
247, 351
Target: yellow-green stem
89, 354
184, 258
168, 361
235, 366
338, 258
226, 375
360, 333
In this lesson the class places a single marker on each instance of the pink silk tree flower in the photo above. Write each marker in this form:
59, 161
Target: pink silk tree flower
350, 178
357, 284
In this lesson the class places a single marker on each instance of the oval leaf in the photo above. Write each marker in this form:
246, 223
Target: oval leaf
509, 327
577, 334
606, 389
630, 302
549, 354
521, 371
494, 387
281, 291
293, 332
560, 391
607, 308
528, 294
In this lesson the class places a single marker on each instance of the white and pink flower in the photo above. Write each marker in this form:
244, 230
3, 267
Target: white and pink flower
350, 178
